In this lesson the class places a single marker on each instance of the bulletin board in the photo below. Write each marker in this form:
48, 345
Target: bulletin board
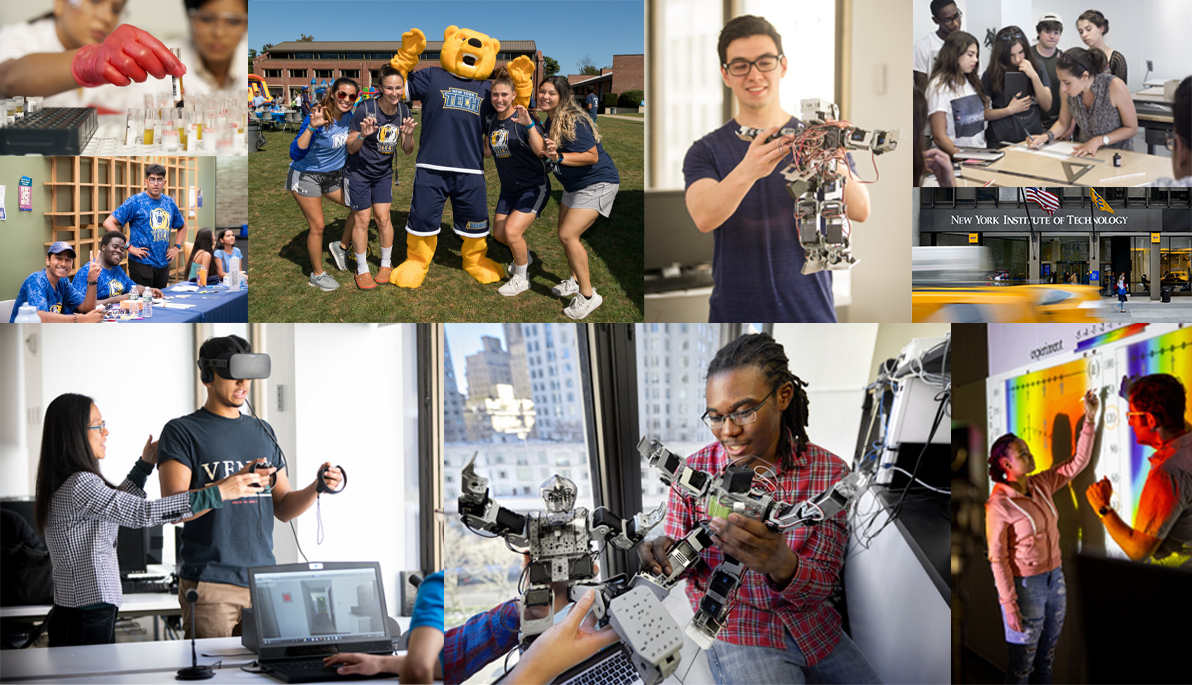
1042, 404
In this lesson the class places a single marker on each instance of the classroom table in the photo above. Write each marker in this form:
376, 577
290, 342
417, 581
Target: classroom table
1021, 168
214, 304
138, 604
1155, 114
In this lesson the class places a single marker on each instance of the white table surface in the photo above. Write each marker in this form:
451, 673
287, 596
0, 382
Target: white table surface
139, 604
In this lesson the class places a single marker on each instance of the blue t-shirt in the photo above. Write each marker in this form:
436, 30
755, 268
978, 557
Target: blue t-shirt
149, 224
60, 299
221, 545
592, 101
428, 608
576, 178
112, 283
227, 258
757, 258
453, 113
374, 159
327, 150
517, 165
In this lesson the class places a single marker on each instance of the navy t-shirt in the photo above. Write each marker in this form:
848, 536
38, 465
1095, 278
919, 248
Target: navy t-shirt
374, 159
517, 165
757, 258
576, 178
221, 545
453, 113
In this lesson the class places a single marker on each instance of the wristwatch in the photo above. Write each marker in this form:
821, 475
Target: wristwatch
1050, 137
178, 245
1103, 511
1105, 140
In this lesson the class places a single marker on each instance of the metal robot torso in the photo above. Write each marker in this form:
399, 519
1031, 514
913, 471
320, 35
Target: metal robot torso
560, 545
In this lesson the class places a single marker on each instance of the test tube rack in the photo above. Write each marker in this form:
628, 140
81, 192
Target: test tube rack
51, 131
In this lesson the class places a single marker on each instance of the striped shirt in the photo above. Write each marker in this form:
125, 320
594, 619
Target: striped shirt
85, 517
468, 648
763, 614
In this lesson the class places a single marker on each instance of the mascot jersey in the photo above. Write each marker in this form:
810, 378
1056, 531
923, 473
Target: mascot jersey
517, 165
112, 282
149, 224
374, 160
453, 113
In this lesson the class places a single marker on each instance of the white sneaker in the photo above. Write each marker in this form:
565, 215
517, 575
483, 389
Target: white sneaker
510, 265
582, 306
323, 282
516, 285
566, 288
339, 255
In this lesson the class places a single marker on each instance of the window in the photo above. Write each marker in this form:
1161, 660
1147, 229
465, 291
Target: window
506, 419
273, 73
298, 73
322, 73
350, 73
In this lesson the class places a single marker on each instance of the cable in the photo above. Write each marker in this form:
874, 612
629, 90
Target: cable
902, 470
284, 463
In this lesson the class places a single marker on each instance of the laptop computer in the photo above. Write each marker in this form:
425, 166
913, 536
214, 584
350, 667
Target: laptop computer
609, 666
305, 612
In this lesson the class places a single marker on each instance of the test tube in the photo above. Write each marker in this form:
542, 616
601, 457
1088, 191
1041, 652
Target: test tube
169, 136
148, 127
19, 100
176, 81
33, 104
183, 127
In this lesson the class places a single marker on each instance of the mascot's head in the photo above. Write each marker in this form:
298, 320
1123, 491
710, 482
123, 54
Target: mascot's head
468, 54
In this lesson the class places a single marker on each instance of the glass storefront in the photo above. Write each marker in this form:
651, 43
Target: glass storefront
1065, 259
1174, 261
1009, 259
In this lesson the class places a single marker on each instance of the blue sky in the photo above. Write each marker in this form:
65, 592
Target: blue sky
563, 29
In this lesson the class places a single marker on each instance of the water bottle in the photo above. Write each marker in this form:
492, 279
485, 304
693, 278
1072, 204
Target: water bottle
234, 270
133, 301
27, 314
148, 304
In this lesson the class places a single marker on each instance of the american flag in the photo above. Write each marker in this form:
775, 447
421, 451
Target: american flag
1044, 199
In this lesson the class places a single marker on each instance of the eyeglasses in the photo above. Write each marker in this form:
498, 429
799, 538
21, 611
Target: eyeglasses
208, 20
1169, 140
341, 94
741, 418
951, 20
103, 426
155, 181
1135, 413
741, 67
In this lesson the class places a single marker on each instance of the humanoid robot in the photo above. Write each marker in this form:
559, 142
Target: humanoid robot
559, 542
818, 189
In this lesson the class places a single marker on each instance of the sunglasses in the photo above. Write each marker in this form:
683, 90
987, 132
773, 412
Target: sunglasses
341, 94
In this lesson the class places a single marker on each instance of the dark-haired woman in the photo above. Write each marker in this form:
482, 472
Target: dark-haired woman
780, 629
1092, 27
226, 251
1096, 101
318, 153
590, 183
79, 514
1022, 531
201, 255
1012, 115
955, 99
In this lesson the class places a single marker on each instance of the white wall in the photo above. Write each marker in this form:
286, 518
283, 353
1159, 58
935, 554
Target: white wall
1139, 29
15, 479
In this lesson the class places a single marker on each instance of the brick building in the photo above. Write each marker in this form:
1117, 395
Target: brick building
627, 73
289, 67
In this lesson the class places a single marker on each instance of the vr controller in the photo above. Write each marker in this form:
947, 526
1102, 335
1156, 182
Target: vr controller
264, 466
321, 483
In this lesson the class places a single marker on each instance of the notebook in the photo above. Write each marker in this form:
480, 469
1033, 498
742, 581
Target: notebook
305, 612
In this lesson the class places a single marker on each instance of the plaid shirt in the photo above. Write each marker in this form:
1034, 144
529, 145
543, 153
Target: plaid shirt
762, 614
468, 648
85, 516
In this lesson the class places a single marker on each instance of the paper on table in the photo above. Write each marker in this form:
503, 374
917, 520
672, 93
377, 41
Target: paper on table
184, 288
1061, 149
177, 305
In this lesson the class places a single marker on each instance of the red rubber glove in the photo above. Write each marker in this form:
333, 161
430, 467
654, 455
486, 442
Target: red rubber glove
128, 54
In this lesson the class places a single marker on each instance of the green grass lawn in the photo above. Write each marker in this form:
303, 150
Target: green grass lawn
280, 266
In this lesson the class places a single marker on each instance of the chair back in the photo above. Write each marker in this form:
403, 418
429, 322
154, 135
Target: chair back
6, 310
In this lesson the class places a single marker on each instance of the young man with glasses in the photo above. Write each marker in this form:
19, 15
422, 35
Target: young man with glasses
947, 17
114, 284
780, 628
1179, 141
736, 191
1163, 523
150, 216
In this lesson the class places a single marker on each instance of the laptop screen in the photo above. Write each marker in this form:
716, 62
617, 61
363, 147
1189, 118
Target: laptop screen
318, 603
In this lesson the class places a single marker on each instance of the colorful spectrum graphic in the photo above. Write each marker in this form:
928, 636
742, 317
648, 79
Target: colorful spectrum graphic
1170, 353
1112, 336
1042, 408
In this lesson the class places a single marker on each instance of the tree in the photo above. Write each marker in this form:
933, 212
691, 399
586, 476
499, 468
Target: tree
588, 67
265, 47
550, 66
252, 53
305, 38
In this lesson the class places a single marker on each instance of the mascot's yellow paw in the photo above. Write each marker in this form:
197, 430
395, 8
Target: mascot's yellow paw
521, 70
479, 266
419, 251
413, 42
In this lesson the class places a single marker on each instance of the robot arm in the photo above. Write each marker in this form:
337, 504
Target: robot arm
819, 508
674, 469
480, 512
609, 527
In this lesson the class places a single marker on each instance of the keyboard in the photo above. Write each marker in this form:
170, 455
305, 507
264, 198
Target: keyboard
312, 671
616, 669
137, 584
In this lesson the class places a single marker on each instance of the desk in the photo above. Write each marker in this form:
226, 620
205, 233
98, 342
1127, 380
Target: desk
1154, 114
219, 306
132, 662
155, 604
1051, 172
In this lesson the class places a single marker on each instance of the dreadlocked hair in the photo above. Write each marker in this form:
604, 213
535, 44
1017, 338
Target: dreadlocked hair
764, 352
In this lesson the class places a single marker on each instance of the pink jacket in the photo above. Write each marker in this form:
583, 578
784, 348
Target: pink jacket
1023, 530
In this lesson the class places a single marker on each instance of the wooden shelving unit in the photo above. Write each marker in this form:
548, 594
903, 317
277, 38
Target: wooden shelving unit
85, 190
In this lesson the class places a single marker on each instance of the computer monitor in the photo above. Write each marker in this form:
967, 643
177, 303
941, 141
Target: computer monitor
137, 548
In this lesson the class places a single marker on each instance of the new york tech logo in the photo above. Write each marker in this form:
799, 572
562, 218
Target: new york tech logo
458, 98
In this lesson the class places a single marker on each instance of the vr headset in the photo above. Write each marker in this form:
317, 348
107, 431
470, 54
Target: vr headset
237, 365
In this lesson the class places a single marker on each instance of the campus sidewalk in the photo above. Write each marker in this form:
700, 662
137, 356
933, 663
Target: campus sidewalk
1179, 310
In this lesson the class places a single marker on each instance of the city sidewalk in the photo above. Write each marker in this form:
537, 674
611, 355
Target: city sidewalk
1145, 310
